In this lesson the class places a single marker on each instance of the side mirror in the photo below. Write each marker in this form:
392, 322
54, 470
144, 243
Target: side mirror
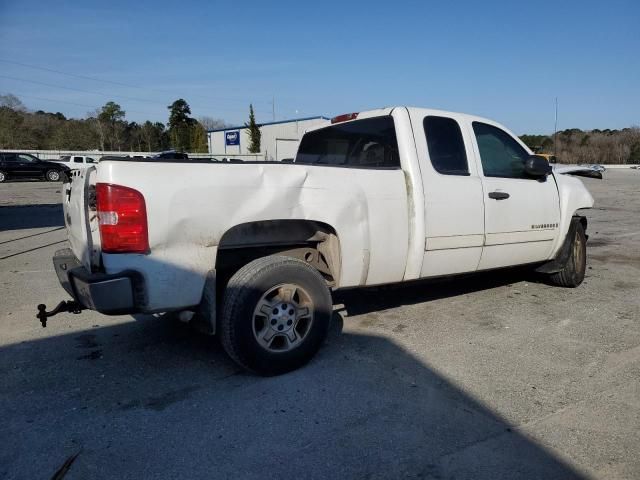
537, 167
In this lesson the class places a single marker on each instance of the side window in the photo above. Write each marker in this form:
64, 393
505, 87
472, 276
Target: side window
500, 154
64, 158
27, 158
77, 159
368, 143
91, 160
446, 146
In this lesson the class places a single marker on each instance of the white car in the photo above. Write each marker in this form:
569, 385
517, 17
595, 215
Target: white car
253, 250
76, 161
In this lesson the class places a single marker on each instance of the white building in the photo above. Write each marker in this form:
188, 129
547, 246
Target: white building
279, 140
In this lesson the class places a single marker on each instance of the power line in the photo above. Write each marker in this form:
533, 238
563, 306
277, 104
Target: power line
35, 82
69, 74
71, 103
121, 84
77, 89
82, 104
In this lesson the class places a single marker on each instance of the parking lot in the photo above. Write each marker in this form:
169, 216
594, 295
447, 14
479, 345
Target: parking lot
493, 376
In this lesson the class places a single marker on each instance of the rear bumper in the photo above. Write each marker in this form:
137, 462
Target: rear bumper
115, 294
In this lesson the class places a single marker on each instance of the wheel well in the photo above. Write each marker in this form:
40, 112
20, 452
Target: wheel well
313, 242
583, 221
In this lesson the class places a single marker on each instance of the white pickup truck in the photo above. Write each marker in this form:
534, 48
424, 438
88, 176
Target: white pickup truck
76, 161
253, 250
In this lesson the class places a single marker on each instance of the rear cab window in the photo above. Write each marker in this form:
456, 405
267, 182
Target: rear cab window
366, 143
446, 146
64, 158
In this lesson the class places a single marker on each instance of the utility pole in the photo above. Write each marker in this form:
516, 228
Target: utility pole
555, 133
273, 108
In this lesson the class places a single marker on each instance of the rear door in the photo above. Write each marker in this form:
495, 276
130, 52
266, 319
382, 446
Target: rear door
10, 164
522, 214
454, 209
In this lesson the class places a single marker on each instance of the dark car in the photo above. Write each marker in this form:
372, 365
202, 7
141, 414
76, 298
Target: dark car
25, 165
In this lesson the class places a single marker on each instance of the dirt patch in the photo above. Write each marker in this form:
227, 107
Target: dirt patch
86, 341
93, 355
162, 401
599, 242
618, 258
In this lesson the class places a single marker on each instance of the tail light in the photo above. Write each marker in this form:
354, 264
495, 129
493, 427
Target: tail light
122, 216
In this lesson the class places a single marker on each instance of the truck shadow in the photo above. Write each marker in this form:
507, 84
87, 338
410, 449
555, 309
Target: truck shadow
20, 217
153, 399
359, 301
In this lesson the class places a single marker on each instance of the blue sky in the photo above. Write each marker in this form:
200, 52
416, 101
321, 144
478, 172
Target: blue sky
503, 60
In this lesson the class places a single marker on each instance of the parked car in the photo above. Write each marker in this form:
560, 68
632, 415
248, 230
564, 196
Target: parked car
170, 155
76, 161
25, 165
253, 250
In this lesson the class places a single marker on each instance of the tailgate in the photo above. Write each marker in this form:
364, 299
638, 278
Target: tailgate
79, 218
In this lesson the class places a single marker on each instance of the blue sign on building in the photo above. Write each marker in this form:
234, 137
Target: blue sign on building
232, 138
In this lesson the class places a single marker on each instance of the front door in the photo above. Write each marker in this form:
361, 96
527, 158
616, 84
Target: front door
521, 213
28, 166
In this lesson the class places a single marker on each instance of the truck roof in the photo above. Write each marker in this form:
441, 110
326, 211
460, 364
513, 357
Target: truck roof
379, 112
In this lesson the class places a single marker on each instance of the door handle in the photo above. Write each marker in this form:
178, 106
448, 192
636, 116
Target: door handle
498, 195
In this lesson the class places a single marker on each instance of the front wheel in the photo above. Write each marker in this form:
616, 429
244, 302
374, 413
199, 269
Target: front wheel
276, 314
3, 176
572, 273
52, 175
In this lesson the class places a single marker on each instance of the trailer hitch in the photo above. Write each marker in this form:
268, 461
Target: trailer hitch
70, 306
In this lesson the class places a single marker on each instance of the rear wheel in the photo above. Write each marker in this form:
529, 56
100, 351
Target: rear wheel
572, 273
276, 314
52, 175
3, 176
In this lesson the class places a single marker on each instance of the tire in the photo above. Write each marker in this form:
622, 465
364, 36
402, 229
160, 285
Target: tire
572, 273
52, 175
3, 176
298, 310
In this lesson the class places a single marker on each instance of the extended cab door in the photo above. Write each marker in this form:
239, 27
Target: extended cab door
454, 209
521, 213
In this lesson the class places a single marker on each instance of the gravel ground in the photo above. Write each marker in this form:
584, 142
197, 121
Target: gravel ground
494, 376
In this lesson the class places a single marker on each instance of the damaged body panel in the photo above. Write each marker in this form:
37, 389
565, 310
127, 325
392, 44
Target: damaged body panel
367, 211
590, 171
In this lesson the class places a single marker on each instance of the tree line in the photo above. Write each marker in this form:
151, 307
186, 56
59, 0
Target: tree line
105, 129
593, 146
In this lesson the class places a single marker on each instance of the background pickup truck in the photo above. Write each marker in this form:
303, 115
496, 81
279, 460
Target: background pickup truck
76, 161
254, 249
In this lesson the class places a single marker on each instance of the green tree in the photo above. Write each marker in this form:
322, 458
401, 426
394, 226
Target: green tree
634, 156
111, 119
180, 125
199, 138
254, 132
